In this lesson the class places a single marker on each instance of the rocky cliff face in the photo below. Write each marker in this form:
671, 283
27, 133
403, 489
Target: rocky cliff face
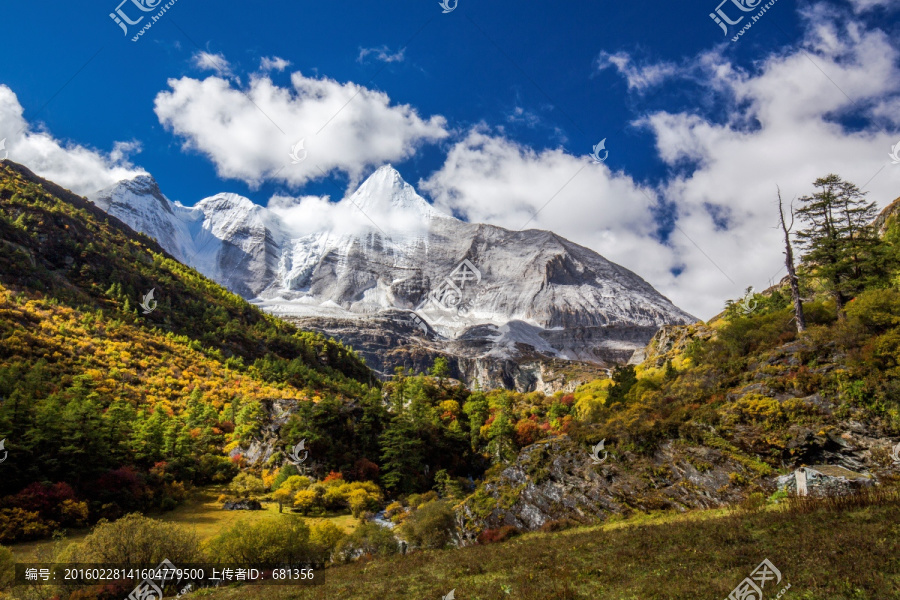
503, 303
557, 479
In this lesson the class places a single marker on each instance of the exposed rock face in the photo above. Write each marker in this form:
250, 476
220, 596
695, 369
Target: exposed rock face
525, 300
390, 339
823, 481
557, 479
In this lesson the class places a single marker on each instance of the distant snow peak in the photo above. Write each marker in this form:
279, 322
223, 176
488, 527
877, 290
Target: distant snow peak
384, 248
386, 194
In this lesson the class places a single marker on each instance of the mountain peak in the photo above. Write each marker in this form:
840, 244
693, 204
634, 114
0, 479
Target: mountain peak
128, 190
385, 191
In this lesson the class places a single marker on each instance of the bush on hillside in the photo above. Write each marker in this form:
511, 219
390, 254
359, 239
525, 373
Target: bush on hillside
431, 525
269, 543
369, 539
135, 539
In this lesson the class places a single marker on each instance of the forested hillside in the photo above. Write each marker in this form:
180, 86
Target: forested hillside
106, 409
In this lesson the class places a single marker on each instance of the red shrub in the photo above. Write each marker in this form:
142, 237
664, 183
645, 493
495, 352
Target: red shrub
492, 536
333, 476
44, 498
527, 432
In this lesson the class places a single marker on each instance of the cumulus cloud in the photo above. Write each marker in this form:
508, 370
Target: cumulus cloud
638, 77
248, 133
783, 127
382, 53
273, 63
492, 179
78, 168
212, 62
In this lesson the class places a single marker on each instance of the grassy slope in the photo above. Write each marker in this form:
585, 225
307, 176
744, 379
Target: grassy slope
848, 555
201, 513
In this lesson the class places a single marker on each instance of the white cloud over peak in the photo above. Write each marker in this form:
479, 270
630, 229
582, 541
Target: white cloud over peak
493, 179
783, 129
248, 133
78, 168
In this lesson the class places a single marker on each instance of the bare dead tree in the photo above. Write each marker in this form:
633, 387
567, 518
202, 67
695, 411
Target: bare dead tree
799, 317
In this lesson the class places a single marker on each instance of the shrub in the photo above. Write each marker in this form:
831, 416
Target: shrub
269, 543
431, 525
367, 539
246, 485
324, 539
559, 525
307, 501
135, 539
492, 536
17, 525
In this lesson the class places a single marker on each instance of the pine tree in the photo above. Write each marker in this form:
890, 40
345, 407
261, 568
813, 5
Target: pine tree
401, 454
841, 247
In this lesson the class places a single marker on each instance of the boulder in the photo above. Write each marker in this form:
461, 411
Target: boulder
242, 505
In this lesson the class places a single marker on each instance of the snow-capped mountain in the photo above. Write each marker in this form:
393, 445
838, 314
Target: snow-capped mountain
386, 263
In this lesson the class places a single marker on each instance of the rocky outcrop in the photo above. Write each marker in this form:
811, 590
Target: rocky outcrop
242, 505
391, 340
557, 479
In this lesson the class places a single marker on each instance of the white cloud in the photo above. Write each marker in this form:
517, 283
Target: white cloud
493, 179
782, 129
273, 63
382, 53
639, 77
248, 133
864, 5
212, 62
80, 169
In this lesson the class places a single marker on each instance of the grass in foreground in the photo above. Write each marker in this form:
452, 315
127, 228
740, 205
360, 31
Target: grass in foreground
838, 553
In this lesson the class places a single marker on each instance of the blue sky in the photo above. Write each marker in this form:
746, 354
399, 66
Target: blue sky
489, 110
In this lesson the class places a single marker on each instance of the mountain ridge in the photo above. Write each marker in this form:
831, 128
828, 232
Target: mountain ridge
401, 254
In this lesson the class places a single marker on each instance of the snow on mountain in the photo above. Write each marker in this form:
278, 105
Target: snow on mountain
387, 249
